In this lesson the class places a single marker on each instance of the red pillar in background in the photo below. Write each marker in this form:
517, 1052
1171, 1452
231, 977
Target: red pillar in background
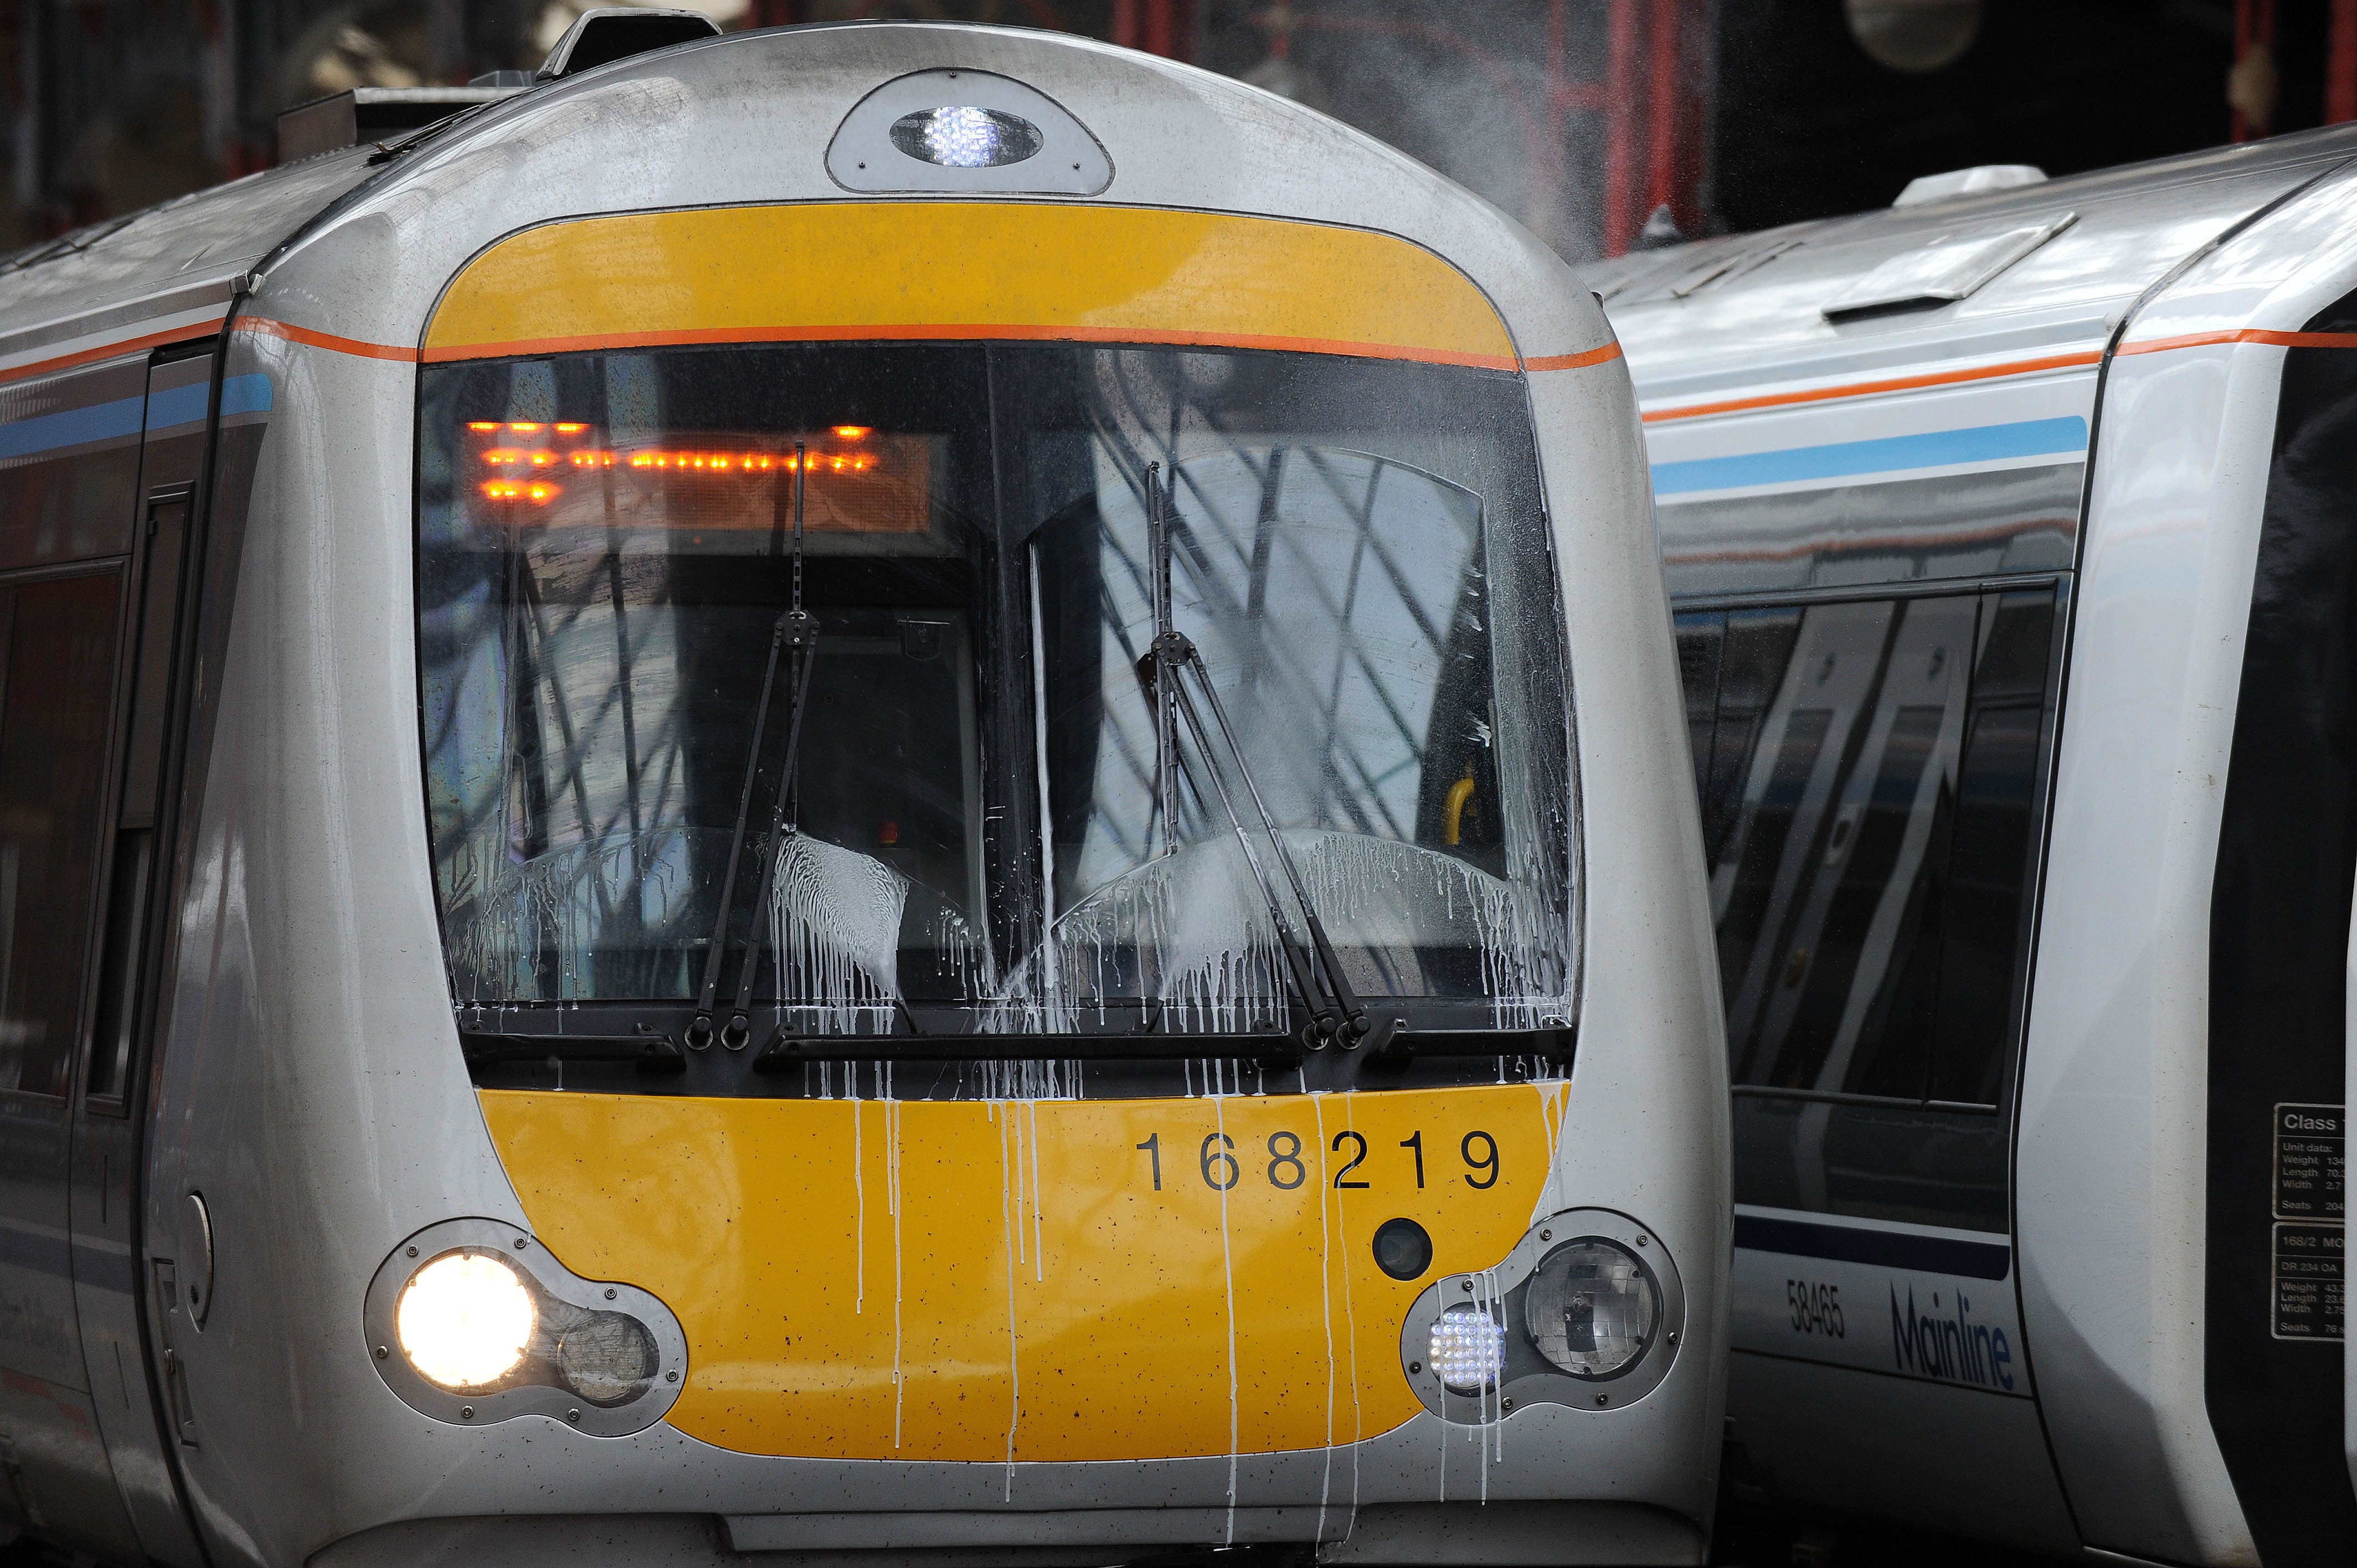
1620, 110
2254, 33
1654, 110
2340, 65
1162, 27
1667, 30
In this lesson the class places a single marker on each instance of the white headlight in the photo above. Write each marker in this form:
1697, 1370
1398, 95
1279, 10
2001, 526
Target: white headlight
464, 1320
959, 135
1591, 1306
1468, 1349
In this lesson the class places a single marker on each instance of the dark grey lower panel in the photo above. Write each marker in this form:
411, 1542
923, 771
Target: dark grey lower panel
1498, 1535
1517, 1535
644, 1540
1922, 1454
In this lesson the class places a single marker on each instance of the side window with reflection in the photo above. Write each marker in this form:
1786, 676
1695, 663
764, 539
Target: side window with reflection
1866, 773
59, 639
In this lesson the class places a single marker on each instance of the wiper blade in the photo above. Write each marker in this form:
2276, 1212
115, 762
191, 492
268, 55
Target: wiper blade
797, 630
1336, 1014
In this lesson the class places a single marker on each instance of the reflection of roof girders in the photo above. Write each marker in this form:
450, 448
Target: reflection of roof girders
1298, 684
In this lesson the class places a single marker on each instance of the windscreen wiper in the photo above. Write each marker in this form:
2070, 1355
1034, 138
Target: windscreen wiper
1336, 1014
797, 630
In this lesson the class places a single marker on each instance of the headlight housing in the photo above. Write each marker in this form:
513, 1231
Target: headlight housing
471, 1322
1592, 1307
1585, 1311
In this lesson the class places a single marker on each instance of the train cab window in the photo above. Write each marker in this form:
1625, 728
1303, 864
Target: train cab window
60, 638
1380, 637
972, 835
1867, 787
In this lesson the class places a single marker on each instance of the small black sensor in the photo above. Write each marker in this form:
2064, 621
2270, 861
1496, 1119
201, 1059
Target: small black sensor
1403, 1249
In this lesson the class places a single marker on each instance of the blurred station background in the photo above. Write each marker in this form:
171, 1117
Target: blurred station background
1587, 119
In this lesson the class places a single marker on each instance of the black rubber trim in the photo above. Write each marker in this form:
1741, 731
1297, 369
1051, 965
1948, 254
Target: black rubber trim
1887, 1249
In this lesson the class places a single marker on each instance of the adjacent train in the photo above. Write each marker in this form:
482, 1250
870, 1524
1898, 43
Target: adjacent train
2011, 533
888, 792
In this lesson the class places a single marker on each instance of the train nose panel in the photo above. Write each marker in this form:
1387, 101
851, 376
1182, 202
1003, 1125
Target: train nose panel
1035, 1279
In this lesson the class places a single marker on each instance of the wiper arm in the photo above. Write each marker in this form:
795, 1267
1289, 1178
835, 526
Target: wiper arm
1336, 1014
797, 630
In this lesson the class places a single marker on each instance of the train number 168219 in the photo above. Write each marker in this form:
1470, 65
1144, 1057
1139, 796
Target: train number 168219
1221, 1165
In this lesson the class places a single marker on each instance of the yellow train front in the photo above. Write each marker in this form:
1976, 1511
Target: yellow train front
933, 812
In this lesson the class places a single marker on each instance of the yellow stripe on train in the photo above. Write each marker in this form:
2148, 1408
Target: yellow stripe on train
964, 270
949, 1280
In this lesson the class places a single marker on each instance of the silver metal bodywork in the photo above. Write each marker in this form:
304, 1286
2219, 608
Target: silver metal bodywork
2099, 415
310, 1085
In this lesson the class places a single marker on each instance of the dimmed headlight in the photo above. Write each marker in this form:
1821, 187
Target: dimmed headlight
464, 1320
1591, 1307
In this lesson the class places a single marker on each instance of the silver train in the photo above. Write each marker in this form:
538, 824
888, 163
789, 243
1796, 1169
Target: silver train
2010, 533
882, 793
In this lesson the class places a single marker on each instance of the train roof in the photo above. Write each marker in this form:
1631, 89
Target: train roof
171, 267
739, 118
2046, 268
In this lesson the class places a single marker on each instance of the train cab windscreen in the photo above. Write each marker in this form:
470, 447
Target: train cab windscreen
962, 800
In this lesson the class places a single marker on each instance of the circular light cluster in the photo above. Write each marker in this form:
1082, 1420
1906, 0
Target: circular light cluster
963, 137
464, 1320
1591, 1307
1469, 1350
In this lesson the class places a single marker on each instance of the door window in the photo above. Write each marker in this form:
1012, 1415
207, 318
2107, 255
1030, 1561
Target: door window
53, 721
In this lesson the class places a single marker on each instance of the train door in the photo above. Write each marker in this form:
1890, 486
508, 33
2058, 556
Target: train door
2275, 1276
133, 1399
1870, 766
69, 451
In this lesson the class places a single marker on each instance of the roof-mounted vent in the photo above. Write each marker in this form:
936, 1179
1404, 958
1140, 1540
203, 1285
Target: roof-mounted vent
618, 32
1968, 182
1942, 273
374, 114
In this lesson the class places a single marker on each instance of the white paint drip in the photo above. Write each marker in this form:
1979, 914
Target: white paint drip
1228, 1273
835, 920
1192, 932
559, 902
892, 1199
1014, 1364
1038, 1251
1555, 1095
859, 1188
1326, 1304
1351, 1321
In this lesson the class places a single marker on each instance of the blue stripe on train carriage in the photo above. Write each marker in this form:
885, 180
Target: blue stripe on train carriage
124, 418
1883, 455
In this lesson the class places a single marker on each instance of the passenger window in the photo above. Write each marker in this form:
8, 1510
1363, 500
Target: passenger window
1867, 772
59, 674
1989, 862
